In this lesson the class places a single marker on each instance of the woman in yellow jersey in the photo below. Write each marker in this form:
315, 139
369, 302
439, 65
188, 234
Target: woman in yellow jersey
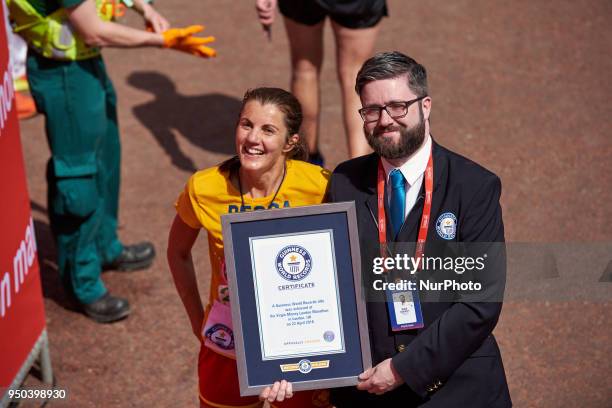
267, 172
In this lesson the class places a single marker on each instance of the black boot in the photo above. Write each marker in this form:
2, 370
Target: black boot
107, 309
133, 257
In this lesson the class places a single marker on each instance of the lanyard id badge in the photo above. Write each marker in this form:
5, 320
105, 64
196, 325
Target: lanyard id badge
404, 309
404, 305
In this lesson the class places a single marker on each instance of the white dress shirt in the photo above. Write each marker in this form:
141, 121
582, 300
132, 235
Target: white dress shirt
413, 171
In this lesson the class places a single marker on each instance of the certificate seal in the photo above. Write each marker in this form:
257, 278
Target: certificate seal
329, 336
293, 263
221, 335
304, 366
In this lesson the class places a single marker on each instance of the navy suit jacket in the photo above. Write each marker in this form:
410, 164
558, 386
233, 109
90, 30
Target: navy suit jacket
454, 360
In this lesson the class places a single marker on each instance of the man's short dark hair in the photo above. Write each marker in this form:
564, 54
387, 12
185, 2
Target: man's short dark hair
387, 65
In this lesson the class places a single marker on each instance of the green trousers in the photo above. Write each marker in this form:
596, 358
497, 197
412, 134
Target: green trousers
80, 108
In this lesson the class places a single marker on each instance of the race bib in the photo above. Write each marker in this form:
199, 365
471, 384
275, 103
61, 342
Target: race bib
217, 333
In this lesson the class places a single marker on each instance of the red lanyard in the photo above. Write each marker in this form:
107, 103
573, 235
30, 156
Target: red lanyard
424, 224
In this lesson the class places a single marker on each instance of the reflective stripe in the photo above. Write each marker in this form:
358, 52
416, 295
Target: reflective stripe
53, 36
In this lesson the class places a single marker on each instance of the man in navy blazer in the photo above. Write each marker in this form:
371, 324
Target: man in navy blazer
454, 360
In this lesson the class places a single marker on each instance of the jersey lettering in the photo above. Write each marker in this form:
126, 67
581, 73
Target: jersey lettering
234, 208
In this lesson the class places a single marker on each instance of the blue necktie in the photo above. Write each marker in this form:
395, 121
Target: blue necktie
398, 200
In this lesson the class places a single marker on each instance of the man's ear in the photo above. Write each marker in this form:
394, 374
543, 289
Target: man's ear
426, 107
292, 141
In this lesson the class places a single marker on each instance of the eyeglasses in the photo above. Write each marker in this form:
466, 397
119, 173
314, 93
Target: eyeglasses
395, 109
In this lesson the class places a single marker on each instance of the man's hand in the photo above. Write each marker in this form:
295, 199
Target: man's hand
154, 20
278, 392
182, 39
380, 379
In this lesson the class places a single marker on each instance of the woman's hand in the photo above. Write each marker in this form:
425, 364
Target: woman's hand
278, 392
266, 10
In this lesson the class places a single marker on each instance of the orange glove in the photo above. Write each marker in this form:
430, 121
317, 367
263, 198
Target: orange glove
182, 39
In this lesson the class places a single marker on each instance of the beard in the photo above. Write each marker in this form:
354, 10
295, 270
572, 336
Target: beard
410, 139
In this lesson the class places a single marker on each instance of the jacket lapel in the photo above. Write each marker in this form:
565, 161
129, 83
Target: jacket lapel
440, 161
410, 228
409, 231
372, 199
370, 187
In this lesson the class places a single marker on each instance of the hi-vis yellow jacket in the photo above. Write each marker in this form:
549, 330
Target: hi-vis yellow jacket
53, 36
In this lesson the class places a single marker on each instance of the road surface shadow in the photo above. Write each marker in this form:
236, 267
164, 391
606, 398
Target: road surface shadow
207, 121
49, 276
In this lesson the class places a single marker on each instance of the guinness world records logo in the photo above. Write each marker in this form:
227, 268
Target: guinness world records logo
293, 263
446, 226
221, 335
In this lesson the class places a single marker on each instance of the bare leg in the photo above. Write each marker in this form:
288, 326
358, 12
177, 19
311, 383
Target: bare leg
306, 44
353, 47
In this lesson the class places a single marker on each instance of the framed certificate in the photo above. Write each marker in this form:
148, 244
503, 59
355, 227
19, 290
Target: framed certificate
298, 310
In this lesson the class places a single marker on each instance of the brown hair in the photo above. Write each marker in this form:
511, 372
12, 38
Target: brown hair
387, 65
292, 111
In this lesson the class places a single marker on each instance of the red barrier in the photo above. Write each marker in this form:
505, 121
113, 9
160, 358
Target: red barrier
22, 318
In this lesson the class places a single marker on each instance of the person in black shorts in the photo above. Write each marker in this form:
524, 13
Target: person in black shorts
355, 24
